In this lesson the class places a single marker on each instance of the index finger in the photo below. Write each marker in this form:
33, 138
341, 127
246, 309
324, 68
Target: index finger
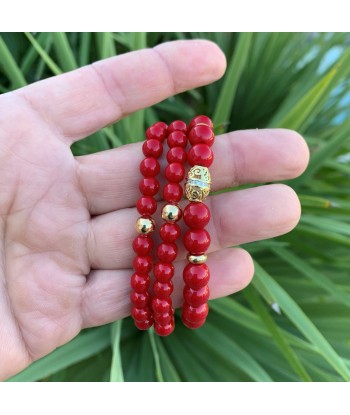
81, 102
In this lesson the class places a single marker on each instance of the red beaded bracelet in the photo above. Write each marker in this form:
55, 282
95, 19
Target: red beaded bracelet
197, 216
143, 243
163, 312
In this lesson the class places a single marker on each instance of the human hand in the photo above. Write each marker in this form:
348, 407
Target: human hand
67, 223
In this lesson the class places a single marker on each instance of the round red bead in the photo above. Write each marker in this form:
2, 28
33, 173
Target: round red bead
142, 264
163, 289
167, 252
161, 305
200, 155
196, 276
201, 119
163, 271
142, 245
197, 241
149, 186
175, 172
196, 298
164, 330
172, 192
152, 148
139, 299
191, 325
177, 139
163, 318
157, 131
141, 314
177, 125
201, 134
169, 232
194, 314
140, 282
149, 167
176, 155
146, 205
144, 325
196, 215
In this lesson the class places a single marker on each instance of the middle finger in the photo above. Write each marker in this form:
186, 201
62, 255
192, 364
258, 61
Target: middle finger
237, 217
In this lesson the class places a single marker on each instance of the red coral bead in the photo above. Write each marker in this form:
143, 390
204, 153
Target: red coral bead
201, 119
196, 298
152, 148
191, 325
194, 314
163, 271
175, 172
197, 241
157, 131
140, 282
139, 299
164, 318
149, 186
163, 289
196, 215
196, 276
144, 325
161, 305
142, 264
201, 134
142, 245
169, 232
149, 167
177, 139
172, 192
176, 155
200, 155
177, 125
141, 314
167, 252
164, 330
146, 205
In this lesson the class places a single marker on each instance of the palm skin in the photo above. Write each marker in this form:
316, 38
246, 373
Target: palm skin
67, 223
45, 222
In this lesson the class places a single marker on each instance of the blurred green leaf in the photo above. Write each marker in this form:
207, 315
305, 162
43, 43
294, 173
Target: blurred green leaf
116, 366
85, 345
45, 57
301, 321
9, 66
234, 71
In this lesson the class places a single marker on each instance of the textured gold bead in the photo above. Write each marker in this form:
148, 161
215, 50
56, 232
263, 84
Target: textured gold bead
198, 184
171, 213
145, 225
197, 259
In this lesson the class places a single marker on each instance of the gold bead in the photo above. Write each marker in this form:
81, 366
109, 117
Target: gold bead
197, 259
145, 225
171, 213
198, 184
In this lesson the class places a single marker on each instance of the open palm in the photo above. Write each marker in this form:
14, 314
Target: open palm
66, 223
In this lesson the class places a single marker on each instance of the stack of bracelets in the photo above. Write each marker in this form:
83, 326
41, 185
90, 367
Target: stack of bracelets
157, 307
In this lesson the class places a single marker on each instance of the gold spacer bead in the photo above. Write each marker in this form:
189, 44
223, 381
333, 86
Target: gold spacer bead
171, 213
197, 259
145, 226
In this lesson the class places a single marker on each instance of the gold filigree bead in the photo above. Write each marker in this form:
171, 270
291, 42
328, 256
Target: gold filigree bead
197, 259
145, 226
171, 213
198, 184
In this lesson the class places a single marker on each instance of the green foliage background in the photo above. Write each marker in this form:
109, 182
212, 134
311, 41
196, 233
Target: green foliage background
297, 81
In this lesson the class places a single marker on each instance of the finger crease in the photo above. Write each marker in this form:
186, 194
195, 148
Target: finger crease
120, 108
